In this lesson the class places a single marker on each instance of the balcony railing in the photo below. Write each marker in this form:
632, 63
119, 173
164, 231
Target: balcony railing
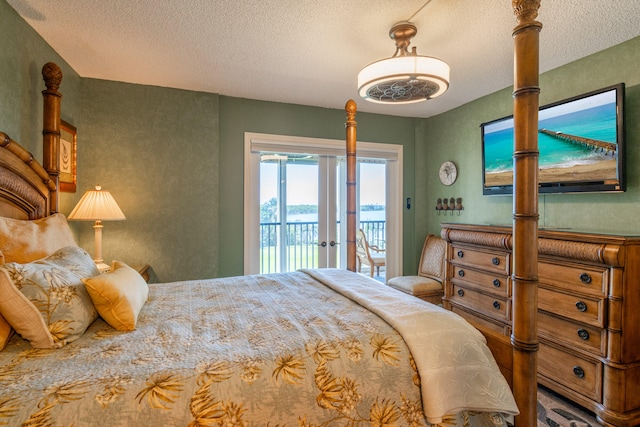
301, 244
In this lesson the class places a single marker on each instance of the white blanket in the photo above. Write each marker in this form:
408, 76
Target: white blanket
457, 370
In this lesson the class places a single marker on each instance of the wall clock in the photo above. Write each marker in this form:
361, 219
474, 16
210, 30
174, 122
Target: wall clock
448, 173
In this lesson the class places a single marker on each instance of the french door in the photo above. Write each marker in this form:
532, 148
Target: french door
294, 190
299, 211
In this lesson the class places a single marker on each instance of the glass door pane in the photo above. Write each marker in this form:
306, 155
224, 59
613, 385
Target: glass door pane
372, 202
269, 215
292, 208
301, 201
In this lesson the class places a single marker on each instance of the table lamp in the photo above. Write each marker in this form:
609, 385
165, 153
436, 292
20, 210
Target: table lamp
97, 205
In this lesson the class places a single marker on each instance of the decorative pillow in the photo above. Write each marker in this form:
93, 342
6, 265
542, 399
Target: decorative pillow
118, 295
25, 241
6, 332
45, 301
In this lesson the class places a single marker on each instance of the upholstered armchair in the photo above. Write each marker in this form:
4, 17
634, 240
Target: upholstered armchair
427, 284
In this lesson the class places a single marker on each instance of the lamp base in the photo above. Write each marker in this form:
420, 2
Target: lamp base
102, 267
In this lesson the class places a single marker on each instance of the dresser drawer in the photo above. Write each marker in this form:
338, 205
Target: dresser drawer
491, 261
579, 308
481, 322
582, 375
574, 278
572, 334
489, 282
488, 305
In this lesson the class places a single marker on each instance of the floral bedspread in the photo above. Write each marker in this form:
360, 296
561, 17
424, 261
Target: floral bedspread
270, 350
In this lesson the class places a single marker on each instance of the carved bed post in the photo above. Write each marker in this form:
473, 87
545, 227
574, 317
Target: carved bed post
351, 125
52, 75
525, 209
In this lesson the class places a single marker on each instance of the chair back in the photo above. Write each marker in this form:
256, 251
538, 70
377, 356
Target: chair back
432, 259
362, 247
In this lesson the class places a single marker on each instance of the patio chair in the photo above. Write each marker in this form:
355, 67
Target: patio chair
367, 254
427, 285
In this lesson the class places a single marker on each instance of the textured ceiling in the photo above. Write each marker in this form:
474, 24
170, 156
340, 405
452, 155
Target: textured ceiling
308, 51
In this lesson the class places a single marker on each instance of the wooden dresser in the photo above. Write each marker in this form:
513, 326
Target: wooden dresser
588, 310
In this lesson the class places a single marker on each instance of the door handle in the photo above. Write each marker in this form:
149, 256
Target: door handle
333, 243
323, 244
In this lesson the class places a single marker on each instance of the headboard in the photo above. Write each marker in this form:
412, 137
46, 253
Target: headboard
27, 189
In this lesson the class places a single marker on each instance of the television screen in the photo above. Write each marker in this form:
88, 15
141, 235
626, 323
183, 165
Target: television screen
580, 140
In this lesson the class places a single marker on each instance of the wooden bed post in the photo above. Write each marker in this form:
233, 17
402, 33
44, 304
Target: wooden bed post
351, 125
52, 75
525, 209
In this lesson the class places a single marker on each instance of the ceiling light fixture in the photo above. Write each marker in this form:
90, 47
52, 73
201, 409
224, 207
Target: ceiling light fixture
406, 77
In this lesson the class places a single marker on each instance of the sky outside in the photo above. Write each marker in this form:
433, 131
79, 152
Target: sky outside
303, 183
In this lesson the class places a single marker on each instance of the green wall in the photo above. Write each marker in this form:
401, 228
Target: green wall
22, 55
156, 150
455, 135
238, 116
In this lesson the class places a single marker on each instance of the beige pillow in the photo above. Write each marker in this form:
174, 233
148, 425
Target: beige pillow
118, 295
6, 332
25, 241
45, 301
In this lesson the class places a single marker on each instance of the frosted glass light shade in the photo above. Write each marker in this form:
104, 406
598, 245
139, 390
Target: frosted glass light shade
97, 205
406, 77
403, 79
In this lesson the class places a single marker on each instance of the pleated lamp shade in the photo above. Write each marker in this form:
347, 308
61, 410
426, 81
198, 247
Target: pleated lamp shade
97, 205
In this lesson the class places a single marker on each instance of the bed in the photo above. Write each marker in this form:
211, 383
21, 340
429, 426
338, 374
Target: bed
312, 347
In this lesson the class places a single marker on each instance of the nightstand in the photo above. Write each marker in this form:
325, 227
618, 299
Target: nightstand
144, 272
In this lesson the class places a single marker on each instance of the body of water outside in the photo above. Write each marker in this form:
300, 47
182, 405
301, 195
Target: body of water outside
364, 216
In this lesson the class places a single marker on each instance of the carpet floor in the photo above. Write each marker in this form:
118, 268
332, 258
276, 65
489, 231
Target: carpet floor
555, 411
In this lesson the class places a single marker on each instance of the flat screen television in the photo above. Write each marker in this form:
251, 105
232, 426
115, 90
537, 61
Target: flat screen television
581, 145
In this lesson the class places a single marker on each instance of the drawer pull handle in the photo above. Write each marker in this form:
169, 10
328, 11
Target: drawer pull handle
581, 306
460, 292
495, 261
461, 273
578, 371
583, 333
496, 283
585, 278
460, 254
496, 305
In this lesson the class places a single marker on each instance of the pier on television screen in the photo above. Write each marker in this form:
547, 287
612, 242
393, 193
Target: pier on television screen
581, 145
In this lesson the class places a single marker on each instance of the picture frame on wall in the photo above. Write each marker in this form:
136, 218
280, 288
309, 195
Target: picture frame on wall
68, 157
